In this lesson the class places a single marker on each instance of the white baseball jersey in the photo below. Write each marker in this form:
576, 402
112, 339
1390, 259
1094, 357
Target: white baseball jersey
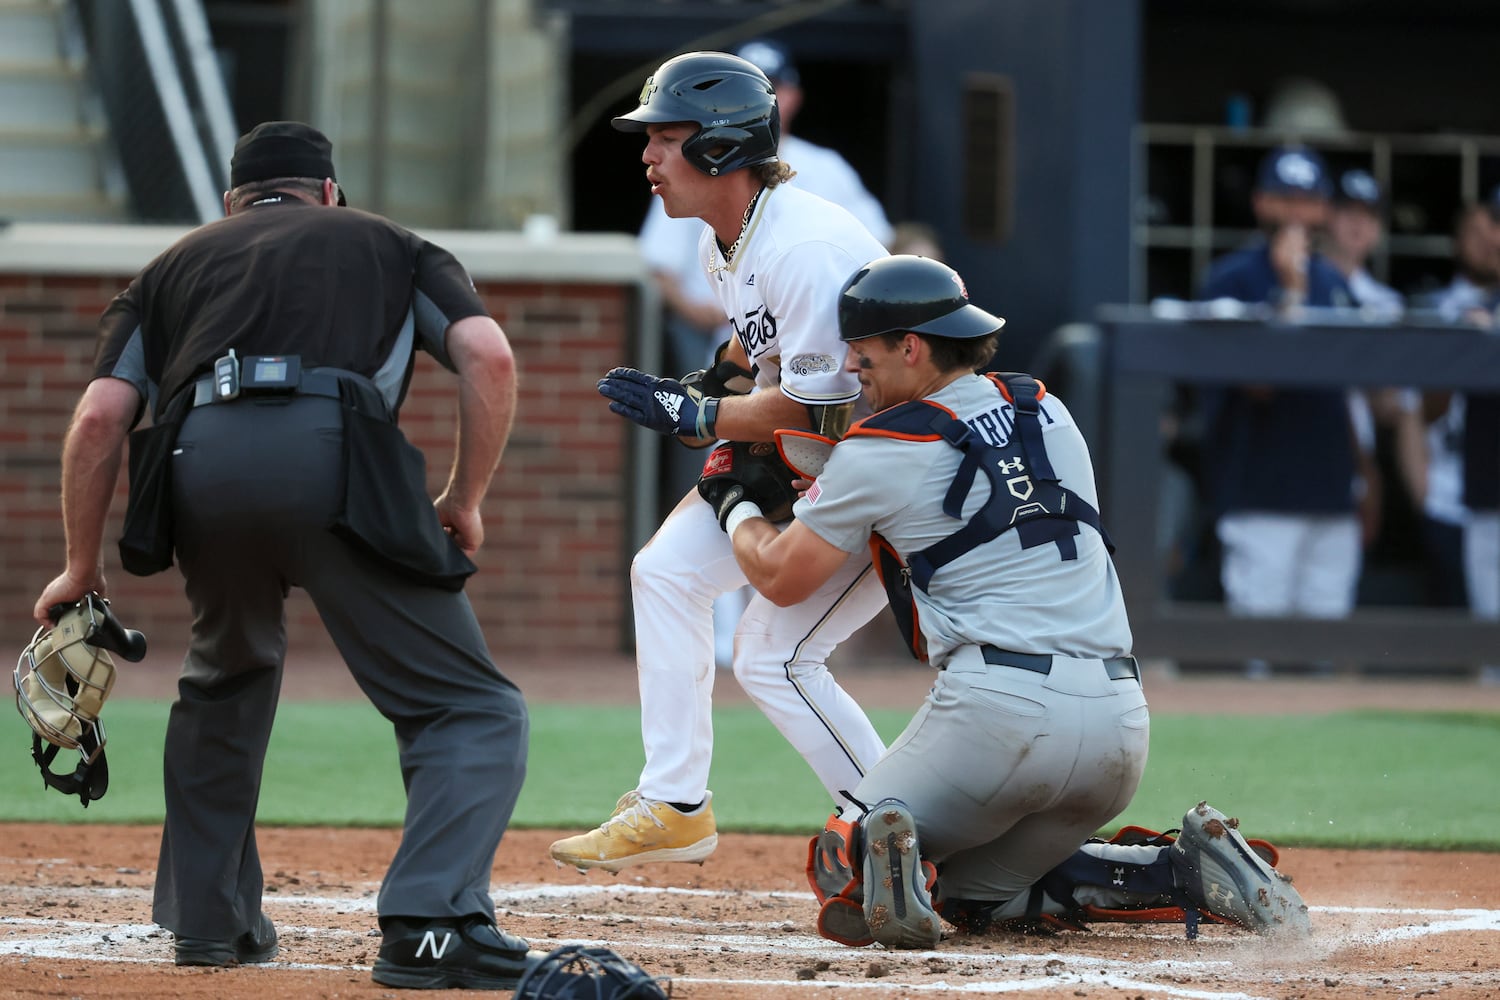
1025, 600
780, 291
781, 295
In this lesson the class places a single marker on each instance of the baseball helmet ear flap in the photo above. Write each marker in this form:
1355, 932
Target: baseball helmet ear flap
720, 149
62, 679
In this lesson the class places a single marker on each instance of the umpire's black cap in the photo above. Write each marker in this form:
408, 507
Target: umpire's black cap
282, 149
904, 293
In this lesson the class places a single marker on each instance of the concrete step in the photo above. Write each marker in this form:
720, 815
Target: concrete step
42, 164
40, 95
29, 31
86, 207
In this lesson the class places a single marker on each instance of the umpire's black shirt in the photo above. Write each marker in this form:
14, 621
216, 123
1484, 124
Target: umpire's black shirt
339, 287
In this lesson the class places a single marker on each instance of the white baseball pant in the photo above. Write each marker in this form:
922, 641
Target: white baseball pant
779, 659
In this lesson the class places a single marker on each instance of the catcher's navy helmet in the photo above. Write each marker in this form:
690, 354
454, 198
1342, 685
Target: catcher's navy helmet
728, 97
903, 293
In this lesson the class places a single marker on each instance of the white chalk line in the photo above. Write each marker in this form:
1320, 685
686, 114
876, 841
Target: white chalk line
1082, 970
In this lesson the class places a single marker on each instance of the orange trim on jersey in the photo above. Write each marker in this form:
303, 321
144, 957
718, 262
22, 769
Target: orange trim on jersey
858, 428
1041, 387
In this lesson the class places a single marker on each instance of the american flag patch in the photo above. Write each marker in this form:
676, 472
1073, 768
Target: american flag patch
813, 492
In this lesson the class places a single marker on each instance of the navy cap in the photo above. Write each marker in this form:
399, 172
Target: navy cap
1358, 187
772, 59
1295, 170
273, 150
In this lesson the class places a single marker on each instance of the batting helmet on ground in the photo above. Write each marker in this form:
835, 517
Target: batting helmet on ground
730, 99
574, 972
904, 293
62, 679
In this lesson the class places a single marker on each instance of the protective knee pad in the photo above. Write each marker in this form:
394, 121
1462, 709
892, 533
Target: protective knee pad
1083, 868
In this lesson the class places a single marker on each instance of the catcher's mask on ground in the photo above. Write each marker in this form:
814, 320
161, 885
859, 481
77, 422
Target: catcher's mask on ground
576, 972
62, 679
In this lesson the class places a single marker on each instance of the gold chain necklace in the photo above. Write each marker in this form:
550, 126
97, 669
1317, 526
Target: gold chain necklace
734, 247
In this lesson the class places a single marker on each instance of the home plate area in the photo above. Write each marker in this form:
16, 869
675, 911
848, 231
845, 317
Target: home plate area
74, 928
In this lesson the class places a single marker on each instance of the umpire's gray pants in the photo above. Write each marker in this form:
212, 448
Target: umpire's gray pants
255, 485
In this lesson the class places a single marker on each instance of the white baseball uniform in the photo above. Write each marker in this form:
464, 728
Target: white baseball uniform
780, 293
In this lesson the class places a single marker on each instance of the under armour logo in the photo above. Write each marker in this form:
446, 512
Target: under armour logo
1119, 876
429, 944
671, 402
1219, 894
1016, 466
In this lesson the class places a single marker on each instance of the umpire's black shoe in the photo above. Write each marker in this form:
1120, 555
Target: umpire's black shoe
468, 953
255, 945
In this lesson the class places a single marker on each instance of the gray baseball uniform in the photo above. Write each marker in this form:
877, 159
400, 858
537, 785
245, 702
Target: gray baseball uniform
1035, 732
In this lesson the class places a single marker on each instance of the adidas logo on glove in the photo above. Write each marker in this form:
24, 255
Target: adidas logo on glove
670, 402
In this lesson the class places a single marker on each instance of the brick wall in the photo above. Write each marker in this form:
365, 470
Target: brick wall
553, 571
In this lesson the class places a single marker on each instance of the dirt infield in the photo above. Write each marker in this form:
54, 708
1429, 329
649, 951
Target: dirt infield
75, 902
76, 923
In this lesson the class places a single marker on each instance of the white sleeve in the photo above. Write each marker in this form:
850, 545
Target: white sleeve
805, 304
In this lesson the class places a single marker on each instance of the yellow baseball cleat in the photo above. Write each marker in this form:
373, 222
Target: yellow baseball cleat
639, 832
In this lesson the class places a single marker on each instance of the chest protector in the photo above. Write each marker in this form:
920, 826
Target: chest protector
1025, 494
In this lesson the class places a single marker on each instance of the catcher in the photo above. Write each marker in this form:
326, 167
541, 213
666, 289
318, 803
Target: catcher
976, 496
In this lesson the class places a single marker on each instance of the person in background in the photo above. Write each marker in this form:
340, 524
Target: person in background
1474, 298
1430, 427
1282, 465
917, 239
1356, 225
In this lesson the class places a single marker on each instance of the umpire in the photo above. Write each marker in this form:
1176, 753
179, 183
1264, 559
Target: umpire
275, 346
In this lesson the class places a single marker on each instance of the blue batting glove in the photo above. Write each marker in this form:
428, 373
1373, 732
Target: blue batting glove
663, 405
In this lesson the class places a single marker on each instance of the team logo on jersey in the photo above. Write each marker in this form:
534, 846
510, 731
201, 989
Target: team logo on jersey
812, 364
756, 329
751, 282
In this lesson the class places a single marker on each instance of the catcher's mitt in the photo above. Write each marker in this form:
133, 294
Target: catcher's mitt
748, 470
574, 972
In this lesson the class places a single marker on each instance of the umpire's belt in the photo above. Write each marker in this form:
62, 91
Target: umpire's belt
313, 383
1119, 668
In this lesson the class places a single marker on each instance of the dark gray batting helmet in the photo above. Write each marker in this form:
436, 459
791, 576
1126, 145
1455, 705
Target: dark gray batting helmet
730, 100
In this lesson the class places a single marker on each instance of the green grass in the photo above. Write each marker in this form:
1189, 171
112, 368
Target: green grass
1347, 779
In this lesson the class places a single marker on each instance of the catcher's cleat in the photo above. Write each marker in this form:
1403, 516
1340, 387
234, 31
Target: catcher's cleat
641, 831
1223, 875
468, 953
898, 905
832, 857
255, 945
